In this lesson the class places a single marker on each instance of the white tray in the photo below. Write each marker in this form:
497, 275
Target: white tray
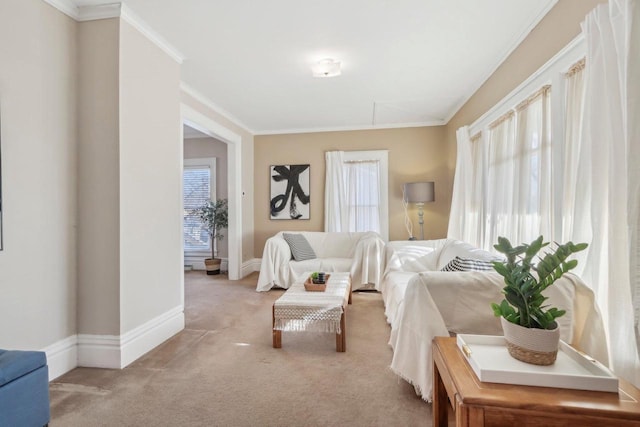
490, 360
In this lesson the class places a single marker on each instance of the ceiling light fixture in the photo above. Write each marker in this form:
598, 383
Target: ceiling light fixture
326, 68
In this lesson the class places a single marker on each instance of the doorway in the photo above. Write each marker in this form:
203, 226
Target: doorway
207, 126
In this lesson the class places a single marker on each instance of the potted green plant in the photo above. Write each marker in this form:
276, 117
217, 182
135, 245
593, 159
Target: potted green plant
530, 328
215, 217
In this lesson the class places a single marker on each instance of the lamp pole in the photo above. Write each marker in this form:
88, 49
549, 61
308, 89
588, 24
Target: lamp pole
421, 219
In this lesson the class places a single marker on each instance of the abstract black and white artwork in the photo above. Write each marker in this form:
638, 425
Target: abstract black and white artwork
290, 198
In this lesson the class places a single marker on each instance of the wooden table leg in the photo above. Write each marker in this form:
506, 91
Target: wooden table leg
277, 335
349, 290
341, 338
440, 400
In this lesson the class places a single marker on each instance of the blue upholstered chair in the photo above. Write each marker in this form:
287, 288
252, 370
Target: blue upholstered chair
24, 389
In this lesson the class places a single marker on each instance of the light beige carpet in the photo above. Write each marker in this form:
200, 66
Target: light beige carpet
222, 371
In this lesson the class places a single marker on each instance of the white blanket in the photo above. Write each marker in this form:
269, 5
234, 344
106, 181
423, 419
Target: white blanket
300, 310
360, 254
437, 303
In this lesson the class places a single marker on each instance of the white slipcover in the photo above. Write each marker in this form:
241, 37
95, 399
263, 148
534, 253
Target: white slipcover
437, 303
360, 254
404, 259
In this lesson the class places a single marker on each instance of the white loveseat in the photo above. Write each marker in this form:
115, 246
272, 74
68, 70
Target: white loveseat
360, 254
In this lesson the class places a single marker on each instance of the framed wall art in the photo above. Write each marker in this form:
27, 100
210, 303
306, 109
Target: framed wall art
290, 198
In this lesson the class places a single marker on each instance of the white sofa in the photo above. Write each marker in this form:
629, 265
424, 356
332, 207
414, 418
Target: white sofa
404, 259
421, 306
360, 254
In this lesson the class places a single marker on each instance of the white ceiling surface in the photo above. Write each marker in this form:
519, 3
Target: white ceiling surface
404, 62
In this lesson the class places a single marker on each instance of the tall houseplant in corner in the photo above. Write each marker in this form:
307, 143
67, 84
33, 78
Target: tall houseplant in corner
530, 328
215, 217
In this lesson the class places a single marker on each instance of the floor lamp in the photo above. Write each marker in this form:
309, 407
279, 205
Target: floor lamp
419, 193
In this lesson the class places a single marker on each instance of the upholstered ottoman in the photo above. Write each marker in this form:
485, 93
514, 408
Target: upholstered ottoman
24, 388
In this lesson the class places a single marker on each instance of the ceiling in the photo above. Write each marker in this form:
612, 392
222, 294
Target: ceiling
404, 62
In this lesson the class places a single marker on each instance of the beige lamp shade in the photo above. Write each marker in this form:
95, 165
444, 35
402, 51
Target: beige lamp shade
419, 192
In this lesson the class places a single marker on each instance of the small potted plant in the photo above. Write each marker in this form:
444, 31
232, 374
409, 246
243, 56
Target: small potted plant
215, 217
530, 328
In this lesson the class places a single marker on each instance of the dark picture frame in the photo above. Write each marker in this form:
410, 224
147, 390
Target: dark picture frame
290, 191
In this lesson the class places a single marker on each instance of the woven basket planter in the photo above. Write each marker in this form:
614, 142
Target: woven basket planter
531, 345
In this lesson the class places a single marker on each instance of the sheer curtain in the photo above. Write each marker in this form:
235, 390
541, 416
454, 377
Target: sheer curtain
335, 193
353, 192
604, 211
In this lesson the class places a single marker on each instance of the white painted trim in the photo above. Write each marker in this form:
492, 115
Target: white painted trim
512, 46
212, 106
114, 10
151, 334
100, 11
251, 266
116, 352
99, 351
68, 7
559, 63
137, 22
350, 128
62, 356
210, 127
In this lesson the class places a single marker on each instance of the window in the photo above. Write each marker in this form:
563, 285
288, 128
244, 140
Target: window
356, 189
198, 182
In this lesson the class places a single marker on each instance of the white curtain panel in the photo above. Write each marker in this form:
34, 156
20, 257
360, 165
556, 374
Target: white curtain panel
605, 209
462, 183
574, 111
363, 198
533, 195
335, 193
467, 216
501, 182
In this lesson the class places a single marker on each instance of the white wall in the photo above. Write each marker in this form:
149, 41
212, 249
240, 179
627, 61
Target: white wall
151, 270
98, 184
38, 92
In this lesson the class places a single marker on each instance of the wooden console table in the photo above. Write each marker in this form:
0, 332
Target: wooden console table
483, 404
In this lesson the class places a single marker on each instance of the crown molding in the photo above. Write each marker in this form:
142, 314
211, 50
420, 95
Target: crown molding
352, 128
68, 7
83, 13
512, 46
137, 22
211, 105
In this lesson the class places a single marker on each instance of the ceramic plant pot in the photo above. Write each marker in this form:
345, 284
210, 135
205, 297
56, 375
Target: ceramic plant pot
531, 345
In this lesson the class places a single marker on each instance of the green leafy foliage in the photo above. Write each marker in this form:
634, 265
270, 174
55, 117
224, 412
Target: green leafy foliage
523, 301
215, 217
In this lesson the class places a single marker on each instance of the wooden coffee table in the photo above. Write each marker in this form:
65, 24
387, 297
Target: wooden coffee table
479, 403
301, 310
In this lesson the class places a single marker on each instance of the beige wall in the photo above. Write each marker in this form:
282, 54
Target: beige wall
99, 178
196, 148
151, 269
555, 31
415, 154
38, 90
247, 162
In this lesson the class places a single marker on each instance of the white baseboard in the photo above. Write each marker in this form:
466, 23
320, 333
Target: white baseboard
62, 356
197, 263
250, 266
148, 336
116, 352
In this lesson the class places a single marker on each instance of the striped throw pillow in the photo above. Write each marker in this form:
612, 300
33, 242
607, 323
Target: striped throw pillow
467, 264
300, 247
